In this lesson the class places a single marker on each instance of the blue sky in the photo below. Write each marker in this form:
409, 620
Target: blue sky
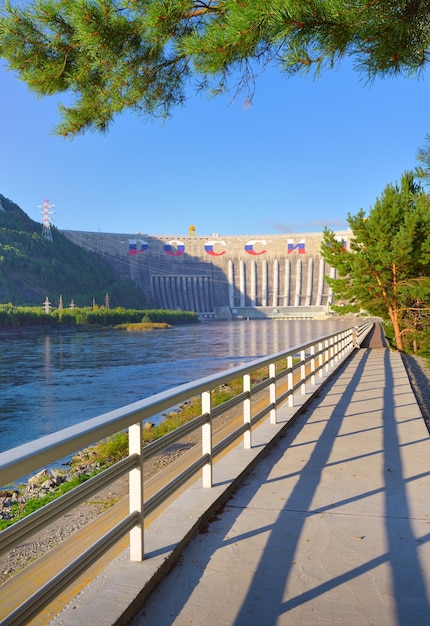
304, 154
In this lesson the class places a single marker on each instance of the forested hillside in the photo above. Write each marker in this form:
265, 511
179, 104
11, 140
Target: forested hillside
33, 268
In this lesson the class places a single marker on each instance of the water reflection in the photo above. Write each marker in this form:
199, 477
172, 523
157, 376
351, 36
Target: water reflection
52, 381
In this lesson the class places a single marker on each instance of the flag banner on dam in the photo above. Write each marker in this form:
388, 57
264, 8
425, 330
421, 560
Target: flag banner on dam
135, 246
208, 273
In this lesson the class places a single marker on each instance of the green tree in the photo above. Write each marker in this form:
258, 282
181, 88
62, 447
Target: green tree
115, 55
387, 269
32, 268
422, 171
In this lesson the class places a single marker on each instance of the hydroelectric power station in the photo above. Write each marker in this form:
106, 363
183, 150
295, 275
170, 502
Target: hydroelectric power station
222, 277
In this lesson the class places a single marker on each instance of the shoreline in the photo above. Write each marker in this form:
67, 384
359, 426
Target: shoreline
61, 529
419, 377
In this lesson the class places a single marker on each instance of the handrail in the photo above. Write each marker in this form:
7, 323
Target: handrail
361, 333
314, 358
30, 457
42, 517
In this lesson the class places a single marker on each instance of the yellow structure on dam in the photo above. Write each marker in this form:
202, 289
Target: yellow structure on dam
222, 276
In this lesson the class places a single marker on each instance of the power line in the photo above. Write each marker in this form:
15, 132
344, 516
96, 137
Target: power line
46, 230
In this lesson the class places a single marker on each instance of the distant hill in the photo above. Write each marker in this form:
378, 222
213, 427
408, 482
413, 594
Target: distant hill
33, 268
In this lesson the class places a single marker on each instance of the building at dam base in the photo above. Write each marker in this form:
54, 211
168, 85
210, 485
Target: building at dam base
222, 276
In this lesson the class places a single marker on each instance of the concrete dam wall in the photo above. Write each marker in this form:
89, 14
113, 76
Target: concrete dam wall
270, 275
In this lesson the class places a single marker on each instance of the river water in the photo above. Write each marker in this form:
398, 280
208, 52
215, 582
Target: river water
54, 380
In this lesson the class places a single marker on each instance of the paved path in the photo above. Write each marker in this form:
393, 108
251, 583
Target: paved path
376, 338
332, 526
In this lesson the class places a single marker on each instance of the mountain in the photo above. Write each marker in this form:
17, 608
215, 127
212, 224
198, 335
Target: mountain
33, 268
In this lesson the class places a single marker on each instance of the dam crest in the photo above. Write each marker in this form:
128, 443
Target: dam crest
222, 276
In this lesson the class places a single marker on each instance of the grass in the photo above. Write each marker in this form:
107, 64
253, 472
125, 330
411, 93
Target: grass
143, 326
114, 448
18, 511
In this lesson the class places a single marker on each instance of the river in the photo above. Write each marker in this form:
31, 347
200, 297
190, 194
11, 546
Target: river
49, 381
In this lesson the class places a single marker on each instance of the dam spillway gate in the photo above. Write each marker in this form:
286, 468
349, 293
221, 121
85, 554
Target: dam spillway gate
276, 274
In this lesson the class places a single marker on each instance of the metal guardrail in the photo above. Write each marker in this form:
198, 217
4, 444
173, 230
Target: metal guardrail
303, 364
362, 331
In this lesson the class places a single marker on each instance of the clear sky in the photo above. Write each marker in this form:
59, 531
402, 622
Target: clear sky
303, 156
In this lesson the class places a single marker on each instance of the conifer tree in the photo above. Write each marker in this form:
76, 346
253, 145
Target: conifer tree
422, 171
387, 269
113, 55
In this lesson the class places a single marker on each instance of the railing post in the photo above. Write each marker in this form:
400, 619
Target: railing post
247, 411
337, 346
320, 359
272, 392
136, 492
344, 344
303, 372
207, 439
326, 355
290, 380
313, 365
348, 338
355, 337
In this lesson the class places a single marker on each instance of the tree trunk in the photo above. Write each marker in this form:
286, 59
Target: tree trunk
396, 328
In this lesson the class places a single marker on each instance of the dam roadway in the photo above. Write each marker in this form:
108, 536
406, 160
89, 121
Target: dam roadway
332, 526
251, 276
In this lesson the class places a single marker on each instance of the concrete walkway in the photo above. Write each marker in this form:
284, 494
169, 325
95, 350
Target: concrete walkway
331, 527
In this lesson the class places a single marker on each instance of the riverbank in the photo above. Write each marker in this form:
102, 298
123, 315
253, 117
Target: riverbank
84, 513
419, 376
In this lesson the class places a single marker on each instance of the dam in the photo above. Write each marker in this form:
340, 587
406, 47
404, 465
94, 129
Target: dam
222, 276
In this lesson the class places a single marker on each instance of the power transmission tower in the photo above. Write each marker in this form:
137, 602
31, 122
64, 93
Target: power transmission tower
46, 230
47, 305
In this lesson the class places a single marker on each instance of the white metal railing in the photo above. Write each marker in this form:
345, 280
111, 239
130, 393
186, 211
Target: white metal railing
303, 364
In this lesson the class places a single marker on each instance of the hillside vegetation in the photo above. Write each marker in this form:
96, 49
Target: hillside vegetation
13, 317
33, 268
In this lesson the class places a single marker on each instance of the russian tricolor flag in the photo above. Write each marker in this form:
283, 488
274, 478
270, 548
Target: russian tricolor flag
298, 246
174, 248
136, 246
210, 247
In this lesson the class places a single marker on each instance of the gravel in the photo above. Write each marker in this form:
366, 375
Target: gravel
60, 530
419, 376
22, 555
